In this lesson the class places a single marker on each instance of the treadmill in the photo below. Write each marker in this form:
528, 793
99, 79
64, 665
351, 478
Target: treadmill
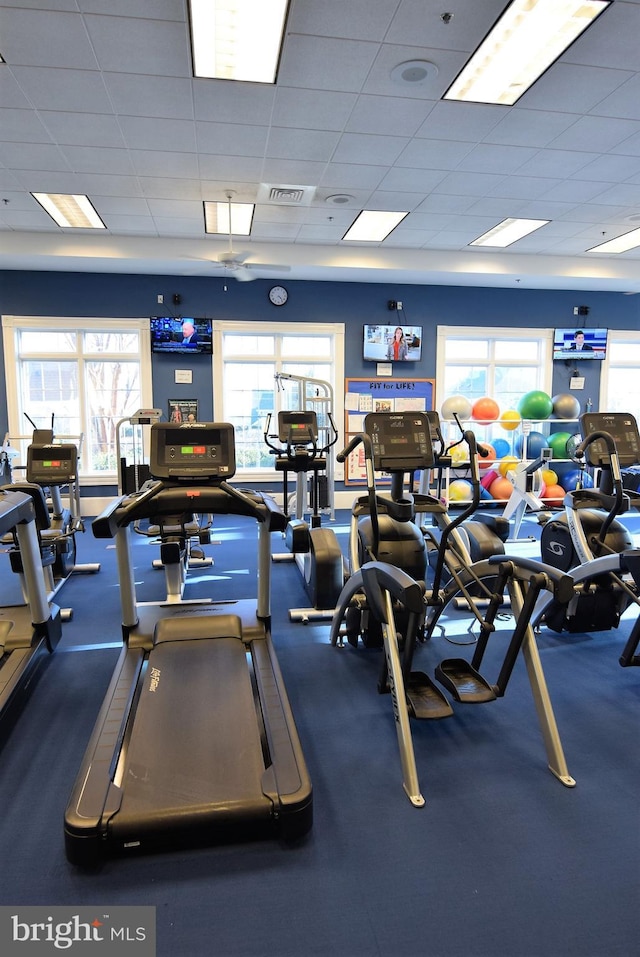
31, 630
195, 742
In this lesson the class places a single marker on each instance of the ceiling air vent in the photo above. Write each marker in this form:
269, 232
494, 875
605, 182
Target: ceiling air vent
286, 194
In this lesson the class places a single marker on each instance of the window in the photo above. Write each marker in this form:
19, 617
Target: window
503, 364
620, 377
247, 356
85, 373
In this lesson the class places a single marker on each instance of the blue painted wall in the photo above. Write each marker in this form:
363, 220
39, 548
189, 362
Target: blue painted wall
121, 296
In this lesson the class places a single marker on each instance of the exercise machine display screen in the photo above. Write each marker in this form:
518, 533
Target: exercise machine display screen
297, 428
623, 429
401, 440
52, 464
201, 451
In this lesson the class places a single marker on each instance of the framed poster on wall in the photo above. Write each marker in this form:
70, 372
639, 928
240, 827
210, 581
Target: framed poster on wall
379, 395
183, 410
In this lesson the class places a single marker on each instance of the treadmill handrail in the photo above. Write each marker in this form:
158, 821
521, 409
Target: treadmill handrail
162, 499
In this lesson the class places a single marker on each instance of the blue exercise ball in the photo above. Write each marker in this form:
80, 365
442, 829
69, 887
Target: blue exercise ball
570, 480
536, 442
502, 447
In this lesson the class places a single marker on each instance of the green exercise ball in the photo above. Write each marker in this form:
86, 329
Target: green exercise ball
535, 405
558, 444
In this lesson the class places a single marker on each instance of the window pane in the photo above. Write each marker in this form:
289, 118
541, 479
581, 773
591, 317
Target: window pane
42, 340
249, 398
113, 392
624, 352
511, 383
467, 349
122, 342
306, 346
470, 381
518, 350
240, 345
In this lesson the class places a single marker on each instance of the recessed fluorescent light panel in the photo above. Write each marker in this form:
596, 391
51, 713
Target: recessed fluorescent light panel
237, 39
509, 231
620, 245
526, 40
373, 226
216, 218
70, 211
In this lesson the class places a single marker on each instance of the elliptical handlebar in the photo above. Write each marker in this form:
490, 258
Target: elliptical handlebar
616, 477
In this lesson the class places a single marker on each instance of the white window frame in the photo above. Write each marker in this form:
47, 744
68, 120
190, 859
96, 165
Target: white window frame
11, 325
620, 336
249, 328
493, 333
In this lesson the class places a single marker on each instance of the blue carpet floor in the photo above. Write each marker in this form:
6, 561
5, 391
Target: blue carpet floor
502, 860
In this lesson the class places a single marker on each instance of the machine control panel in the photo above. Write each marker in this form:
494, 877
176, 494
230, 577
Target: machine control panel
401, 440
52, 464
623, 429
197, 451
297, 428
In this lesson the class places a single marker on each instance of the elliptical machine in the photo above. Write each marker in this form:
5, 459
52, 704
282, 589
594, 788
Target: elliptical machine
315, 550
380, 592
588, 540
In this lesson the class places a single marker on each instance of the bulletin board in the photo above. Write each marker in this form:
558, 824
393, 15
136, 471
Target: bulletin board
379, 395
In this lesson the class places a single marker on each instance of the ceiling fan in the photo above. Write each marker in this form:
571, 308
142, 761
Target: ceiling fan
236, 262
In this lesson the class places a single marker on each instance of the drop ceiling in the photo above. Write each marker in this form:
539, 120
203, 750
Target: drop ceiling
97, 97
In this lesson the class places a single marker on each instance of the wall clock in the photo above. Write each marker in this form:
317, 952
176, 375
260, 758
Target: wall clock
278, 295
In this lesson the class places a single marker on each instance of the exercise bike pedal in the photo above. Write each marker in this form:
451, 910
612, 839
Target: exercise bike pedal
462, 680
424, 698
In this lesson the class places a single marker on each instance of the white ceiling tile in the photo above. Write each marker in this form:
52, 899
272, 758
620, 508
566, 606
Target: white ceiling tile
46, 38
433, 154
83, 129
318, 145
162, 188
88, 159
411, 180
573, 87
136, 225
30, 156
467, 122
380, 81
621, 195
23, 126
245, 169
497, 159
231, 139
165, 97
611, 168
222, 101
341, 177
587, 131
49, 88
470, 184
312, 109
291, 172
145, 133
319, 63
556, 163
612, 39
381, 150
523, 187
520, 127
358, 19
130, 44
624, 102
420, 22
165, 163
388, 115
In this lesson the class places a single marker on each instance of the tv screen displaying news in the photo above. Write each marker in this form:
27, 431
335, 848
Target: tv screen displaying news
183, 335
392, 343
577, 343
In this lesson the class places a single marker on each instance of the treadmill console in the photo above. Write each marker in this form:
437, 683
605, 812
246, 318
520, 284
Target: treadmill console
297, 428
401, 441
623, 429
193, 451
52, 464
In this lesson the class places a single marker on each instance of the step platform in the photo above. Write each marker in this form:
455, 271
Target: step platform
462, 680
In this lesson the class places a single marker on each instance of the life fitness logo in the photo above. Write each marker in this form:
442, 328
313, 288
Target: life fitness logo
83, 930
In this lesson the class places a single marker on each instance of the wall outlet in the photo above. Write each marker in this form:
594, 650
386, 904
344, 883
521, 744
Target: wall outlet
160, 300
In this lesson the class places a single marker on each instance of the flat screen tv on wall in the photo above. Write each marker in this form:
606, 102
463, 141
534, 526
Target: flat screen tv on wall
183, 335
578, 343
378, 343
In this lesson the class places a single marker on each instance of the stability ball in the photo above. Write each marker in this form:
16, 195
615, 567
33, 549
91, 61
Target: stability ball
553, 493
565, 406
549, 477
510, 420
571, 479
557, 442
458, 404
501, 489
507, 464
501, 447
535, 405
460, 490
485, 410
486, 461
459, 454
536, 442
488, 478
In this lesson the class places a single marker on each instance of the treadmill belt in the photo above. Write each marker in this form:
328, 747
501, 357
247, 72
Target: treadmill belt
195, 750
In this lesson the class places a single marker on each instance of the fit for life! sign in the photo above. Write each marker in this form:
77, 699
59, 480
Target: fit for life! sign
122, 931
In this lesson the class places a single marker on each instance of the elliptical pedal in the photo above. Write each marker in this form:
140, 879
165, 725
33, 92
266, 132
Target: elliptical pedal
463, 681
424, 698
